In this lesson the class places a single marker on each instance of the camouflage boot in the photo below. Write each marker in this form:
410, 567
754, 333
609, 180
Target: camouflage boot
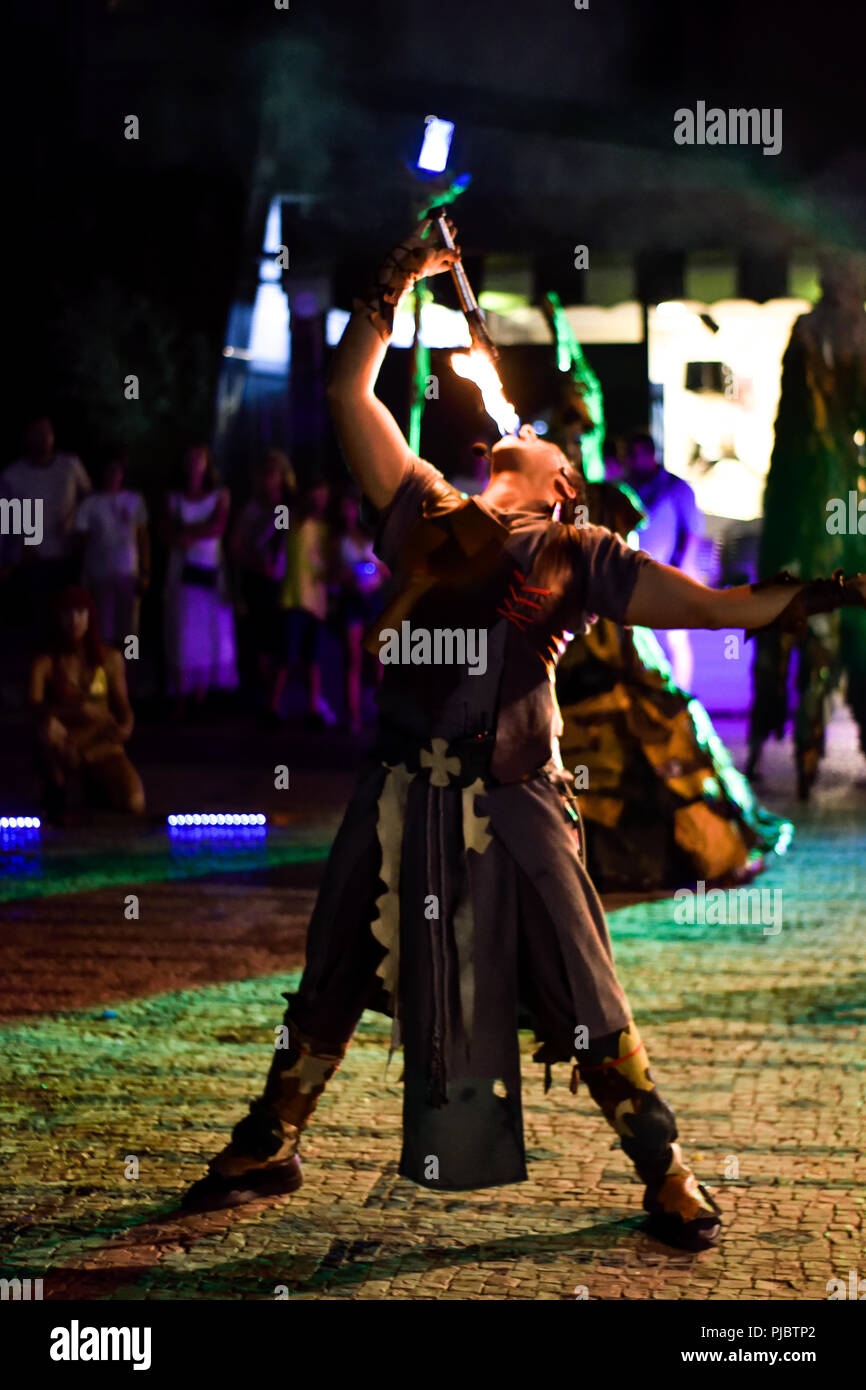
262, 1158
681, 1211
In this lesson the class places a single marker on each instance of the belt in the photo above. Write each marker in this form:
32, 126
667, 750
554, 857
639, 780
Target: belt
474, 753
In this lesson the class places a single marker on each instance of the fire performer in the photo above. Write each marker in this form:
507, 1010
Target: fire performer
455, 889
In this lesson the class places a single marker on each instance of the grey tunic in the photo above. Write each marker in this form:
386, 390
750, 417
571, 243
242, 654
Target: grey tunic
455, 892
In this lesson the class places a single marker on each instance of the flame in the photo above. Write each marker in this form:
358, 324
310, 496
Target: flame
476, 366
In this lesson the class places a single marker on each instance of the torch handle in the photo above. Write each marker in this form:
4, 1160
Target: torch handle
468, 303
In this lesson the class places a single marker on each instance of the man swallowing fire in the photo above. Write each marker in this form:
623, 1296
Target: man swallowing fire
455, 891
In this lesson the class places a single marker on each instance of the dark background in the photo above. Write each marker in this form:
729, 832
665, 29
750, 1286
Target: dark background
126, 255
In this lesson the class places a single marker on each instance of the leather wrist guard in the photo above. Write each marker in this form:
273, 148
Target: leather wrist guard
818, 596
399, 273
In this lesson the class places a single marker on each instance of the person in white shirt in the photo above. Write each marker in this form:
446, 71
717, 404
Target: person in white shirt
199, 620
116, 559
49, 487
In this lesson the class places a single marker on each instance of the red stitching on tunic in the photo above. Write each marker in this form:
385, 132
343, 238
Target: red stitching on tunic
521, 620
517, 619
509, 612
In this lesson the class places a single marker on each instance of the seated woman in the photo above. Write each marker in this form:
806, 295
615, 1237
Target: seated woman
83, 717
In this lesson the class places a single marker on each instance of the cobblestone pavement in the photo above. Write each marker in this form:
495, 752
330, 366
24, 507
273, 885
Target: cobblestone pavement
756, 1038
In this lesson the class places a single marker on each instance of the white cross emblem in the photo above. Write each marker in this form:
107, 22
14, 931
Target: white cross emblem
440, 765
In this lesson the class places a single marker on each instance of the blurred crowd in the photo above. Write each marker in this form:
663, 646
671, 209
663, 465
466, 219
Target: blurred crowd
250, 589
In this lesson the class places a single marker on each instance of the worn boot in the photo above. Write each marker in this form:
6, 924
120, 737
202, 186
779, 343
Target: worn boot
262, 1158
680, 1210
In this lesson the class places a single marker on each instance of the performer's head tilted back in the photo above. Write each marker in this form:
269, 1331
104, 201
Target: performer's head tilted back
529, 470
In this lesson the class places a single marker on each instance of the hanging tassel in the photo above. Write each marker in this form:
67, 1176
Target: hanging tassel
548, 1077
395, 1041
437, 1082
575, 1079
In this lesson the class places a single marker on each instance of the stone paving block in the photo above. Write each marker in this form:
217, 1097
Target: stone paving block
757, 1041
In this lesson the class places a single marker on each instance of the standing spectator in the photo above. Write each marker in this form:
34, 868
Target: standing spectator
199, 623
258, 545
57, 482
671, 534
360, 576
116, 560
611, 454
305, 597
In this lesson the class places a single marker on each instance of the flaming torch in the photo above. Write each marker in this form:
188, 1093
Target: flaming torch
478, 365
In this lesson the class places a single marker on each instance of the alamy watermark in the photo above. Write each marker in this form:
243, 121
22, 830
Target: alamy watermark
846, 518
729, 906
77, 1343
855, 1288
22, 516
20, 1290
439, 646
736, 126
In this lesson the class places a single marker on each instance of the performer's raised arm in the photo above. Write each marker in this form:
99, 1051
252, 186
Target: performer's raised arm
665, 598
371, 440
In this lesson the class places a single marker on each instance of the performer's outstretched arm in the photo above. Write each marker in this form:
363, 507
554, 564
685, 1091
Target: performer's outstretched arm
665, 598
371, 440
